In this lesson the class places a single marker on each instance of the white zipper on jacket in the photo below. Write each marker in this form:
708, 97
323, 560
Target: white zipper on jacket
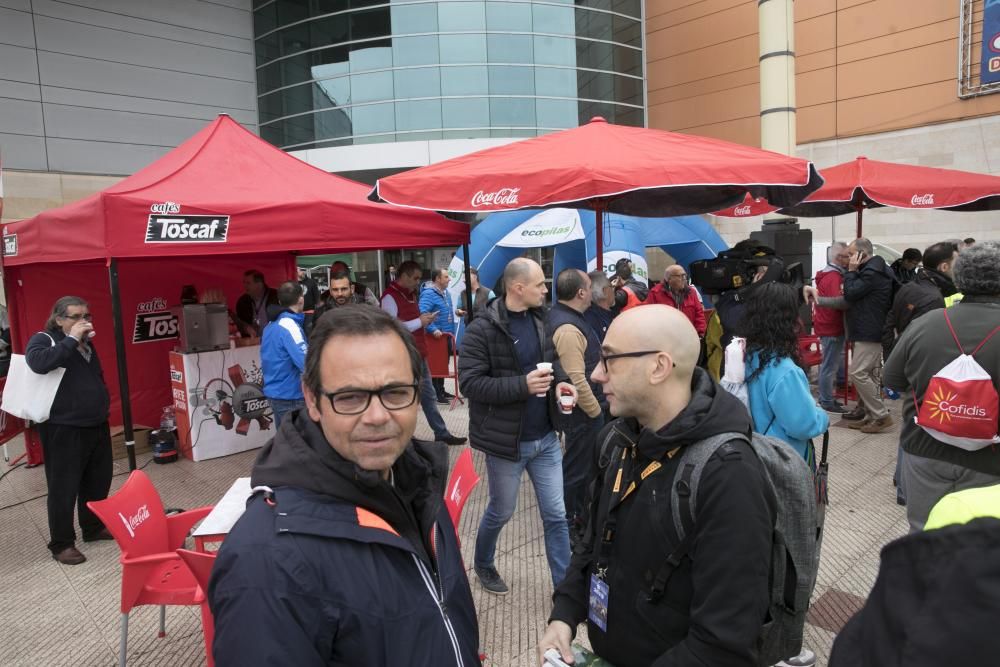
439, 599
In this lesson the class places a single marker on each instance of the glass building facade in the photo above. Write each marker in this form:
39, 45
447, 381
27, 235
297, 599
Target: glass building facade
343, 72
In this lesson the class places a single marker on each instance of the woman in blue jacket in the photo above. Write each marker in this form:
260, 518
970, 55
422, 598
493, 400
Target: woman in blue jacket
781, 404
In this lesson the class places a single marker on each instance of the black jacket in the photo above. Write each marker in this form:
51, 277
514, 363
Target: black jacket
342, 569
246, 311
82, 398
921, 295
936, 602
491, 378
868, 291
716, 601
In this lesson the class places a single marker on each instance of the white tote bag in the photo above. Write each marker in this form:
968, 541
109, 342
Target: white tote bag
27, 394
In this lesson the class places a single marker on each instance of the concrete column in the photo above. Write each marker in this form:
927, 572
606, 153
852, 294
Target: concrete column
777, 75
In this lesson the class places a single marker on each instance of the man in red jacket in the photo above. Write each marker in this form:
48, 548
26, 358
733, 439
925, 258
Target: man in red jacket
676, 292
828, 324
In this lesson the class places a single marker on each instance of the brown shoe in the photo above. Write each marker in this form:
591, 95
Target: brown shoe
861, 423
878, 425
69, 556
102, 534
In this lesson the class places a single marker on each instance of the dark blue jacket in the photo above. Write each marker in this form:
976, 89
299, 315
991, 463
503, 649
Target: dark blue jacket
82, 398
342, 574
868, 291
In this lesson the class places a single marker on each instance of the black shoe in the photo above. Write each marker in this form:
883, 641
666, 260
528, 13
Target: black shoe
900, 500
102, 534
447, 395
491, 580
835, 408
442, 400
70, 556
857, 414
452, 440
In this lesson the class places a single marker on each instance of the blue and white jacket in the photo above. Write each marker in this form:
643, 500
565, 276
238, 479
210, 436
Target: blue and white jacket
283, 356
432, 299
781, 404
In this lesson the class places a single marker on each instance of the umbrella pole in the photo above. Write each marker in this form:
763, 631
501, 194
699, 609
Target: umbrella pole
123, 392
860, 211
599, 237
468, 284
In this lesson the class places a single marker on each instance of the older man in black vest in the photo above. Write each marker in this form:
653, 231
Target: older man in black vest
578, 348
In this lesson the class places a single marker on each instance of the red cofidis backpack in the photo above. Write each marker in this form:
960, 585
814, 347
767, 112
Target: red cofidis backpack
960, 406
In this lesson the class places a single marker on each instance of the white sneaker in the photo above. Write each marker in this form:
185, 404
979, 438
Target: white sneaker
804, 659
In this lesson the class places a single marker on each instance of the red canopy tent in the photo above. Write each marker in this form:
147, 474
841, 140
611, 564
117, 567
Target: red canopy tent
222, 202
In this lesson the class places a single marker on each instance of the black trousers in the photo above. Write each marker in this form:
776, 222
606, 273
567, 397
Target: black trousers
580, 466
78, 468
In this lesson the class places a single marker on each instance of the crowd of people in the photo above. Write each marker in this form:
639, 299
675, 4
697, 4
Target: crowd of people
346, 553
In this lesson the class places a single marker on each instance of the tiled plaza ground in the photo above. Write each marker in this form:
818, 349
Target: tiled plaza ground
56, 615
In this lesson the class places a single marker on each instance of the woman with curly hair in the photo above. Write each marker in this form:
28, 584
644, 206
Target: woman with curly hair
781, 404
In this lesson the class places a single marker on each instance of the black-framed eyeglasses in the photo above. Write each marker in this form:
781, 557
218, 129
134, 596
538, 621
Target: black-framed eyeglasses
79, 316
356, 401
605, 358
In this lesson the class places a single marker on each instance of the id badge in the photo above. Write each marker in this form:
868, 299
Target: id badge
598, 613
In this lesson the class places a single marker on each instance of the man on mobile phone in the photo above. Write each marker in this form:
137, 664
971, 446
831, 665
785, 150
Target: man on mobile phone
435, 300
869, 285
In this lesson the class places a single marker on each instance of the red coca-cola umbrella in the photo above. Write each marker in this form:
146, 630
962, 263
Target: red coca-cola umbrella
749, 207
860, 184
604, 167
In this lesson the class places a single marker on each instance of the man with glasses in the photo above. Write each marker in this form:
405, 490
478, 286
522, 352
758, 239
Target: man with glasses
76, 439
647, 597
346, 554
512, 411
676, 292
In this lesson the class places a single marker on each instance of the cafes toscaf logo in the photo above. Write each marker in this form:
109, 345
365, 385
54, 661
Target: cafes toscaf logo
501, 197
153, 322
166, 226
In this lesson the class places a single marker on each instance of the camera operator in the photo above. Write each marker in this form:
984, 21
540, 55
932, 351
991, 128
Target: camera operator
750, 263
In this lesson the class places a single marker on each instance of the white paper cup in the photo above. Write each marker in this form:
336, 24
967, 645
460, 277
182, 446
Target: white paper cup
566, 403
547, 367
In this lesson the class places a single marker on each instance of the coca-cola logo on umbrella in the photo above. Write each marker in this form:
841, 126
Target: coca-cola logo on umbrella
922, 200
501, 197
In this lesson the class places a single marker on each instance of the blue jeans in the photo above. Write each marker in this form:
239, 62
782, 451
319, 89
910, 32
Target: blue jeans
831, 367
282, 406
428, 403
543, 460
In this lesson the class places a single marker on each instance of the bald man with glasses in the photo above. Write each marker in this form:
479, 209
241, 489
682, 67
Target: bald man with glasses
675, 291
648, 598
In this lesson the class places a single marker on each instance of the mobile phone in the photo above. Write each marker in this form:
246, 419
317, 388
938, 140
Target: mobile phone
553, 657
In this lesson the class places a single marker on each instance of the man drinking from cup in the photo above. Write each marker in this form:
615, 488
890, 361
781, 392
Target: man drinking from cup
506, 371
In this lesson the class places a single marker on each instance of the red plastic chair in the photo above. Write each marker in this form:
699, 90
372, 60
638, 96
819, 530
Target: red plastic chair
462, 481
152, 572
443, 364
200, 564
809, 351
